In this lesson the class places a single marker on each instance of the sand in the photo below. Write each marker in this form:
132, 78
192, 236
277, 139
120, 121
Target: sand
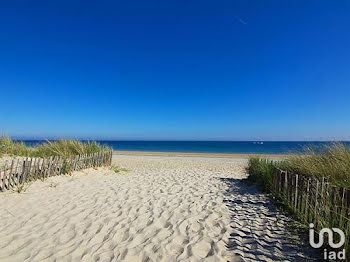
201, 155
163, 209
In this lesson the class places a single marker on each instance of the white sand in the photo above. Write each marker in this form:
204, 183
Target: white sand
164, 209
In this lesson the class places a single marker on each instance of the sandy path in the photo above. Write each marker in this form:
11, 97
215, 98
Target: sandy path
259, 231
164, 209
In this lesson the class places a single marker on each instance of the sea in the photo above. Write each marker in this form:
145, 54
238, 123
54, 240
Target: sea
234, 147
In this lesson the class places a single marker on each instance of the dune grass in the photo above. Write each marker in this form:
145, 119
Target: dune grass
118, 169
64, 148
331, 161
261, 172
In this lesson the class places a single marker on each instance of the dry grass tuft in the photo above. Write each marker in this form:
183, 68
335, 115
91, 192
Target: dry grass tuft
118, 169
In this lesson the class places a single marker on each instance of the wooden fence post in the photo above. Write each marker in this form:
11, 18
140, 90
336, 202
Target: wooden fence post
296, 193
315, 207
6, 181
1, 182
286, 185
22, 170
306, 215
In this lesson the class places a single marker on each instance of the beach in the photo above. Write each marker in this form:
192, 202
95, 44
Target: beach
241, 156
158, 208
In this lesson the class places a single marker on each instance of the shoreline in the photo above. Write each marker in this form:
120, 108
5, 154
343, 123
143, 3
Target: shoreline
199, 154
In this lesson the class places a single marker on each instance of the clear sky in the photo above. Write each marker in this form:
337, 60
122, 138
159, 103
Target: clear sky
175, 70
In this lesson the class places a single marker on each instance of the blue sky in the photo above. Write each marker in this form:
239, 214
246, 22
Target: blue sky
175, 70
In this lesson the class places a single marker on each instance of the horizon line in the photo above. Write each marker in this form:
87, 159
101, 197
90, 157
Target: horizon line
179, 140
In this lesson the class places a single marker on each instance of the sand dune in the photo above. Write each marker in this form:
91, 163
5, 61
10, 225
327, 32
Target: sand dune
164, 209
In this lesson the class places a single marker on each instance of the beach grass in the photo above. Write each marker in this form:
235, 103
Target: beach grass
62, 147
321, 200
261, 170
331, 162
118, 169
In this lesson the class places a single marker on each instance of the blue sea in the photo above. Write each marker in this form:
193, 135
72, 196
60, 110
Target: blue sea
244, 147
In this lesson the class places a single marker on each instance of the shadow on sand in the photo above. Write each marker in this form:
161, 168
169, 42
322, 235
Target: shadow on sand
260, 232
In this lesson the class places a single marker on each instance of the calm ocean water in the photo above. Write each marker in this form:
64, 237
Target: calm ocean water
265, 147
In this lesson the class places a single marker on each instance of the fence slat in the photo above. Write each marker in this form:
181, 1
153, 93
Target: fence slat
28, 169
313, 200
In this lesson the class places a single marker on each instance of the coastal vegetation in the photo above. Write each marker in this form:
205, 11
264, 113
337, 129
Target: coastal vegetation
261, 171
331, 162
62, 147
315, 186
50, 158
118, 169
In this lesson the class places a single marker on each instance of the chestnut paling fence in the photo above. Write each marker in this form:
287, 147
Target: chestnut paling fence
19, 171
314, 201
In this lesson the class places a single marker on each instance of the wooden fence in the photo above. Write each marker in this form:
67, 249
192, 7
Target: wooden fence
19, 171
314, 201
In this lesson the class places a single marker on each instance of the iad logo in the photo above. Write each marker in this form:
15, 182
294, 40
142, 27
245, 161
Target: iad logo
331, 255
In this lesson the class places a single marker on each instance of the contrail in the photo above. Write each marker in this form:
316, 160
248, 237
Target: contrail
240, 20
